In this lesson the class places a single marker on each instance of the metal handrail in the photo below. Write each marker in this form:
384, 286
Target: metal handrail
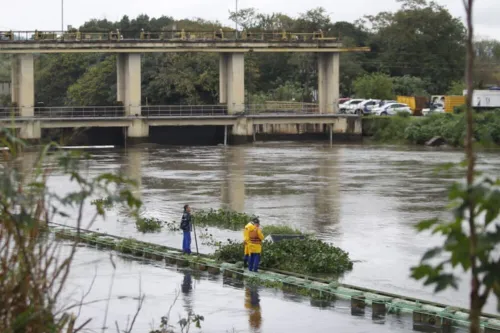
80, 112
151, 111
165, 36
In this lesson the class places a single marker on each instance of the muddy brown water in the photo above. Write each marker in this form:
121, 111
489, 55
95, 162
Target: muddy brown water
364, 199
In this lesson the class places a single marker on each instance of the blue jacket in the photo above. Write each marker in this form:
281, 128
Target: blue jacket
186, 222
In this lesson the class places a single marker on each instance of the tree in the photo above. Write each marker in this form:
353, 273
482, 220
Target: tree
487, 63
97, 86
422, 39
409, 86
473, 236
375, 85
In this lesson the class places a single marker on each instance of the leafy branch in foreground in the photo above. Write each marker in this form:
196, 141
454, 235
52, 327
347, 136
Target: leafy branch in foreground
34, 269
472, 238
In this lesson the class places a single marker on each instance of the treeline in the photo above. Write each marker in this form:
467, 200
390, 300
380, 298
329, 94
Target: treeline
421, 44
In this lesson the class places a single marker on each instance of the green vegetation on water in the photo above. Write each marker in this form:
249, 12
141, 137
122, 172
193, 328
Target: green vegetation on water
418, 130
227, 219
307, 256
148, 224
103, 202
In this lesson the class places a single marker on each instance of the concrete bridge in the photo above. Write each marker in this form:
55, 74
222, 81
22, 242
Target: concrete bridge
238, 127
129, 46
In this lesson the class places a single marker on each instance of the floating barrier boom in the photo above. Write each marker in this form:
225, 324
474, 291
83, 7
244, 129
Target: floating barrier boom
425, 313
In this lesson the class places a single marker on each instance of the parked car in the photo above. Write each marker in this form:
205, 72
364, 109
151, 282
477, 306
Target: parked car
365, 107
391, 109
350, 104
435, 108
343, 100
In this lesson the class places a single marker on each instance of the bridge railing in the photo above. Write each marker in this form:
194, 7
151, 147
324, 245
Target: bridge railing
9, 112
168, 36
282, 108
80, 112
90, 112
183, 110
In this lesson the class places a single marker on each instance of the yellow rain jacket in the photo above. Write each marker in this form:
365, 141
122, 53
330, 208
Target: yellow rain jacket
246, 238
256, 237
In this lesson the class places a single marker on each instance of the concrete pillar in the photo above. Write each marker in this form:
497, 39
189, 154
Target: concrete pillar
23, 84
138, 129
328, 82
30, 130
223, 62
128, 69
232, 81
242, 131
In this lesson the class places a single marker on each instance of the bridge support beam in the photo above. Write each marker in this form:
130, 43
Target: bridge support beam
128, 70
31, 130
328, 82
138, 131
242, 131
232, 81
23, 84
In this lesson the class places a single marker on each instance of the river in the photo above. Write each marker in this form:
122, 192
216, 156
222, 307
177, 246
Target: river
364, 199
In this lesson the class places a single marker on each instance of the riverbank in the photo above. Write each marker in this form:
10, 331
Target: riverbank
403, 129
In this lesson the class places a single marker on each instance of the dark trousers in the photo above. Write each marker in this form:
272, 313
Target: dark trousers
245, 260
186, 242
253, 264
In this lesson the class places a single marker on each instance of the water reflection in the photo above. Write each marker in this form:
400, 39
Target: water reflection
133, 170
233, 186
326, 199
186, 289
252, 304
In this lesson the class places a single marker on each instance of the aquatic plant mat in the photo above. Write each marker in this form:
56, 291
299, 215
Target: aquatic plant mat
426, 315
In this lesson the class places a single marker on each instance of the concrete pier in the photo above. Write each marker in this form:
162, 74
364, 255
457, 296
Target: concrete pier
232, 81
23, 84
128, 70
328, 82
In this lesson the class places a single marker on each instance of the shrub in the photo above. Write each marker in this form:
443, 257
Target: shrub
280, 230
307, 256
148, 224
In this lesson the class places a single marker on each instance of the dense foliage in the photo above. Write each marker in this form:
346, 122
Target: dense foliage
148, 224
431, 61
227, 219
418, 130
221, 218
308, 256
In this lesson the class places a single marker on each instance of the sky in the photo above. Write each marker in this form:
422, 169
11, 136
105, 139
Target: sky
29, 15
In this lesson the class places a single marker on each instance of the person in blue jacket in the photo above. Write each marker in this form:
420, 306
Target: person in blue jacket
186, 228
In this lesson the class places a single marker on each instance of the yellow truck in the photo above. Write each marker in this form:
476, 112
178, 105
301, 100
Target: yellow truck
416, 103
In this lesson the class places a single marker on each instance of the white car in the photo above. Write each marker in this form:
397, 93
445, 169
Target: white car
435, 108
365, 107
391, 109
350, 104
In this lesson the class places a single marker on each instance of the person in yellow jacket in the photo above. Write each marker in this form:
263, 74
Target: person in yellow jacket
255, 237
246, 241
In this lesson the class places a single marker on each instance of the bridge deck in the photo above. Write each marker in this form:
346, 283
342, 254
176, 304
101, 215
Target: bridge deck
54, 42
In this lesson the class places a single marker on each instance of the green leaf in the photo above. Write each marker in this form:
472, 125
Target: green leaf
426, 224
431, 253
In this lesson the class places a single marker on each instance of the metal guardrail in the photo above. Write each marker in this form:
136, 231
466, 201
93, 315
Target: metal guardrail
183, 110
153, 111
9, 112
80, 112
172, 36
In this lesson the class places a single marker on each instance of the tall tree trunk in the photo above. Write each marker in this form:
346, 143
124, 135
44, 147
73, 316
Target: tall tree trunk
475, 302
